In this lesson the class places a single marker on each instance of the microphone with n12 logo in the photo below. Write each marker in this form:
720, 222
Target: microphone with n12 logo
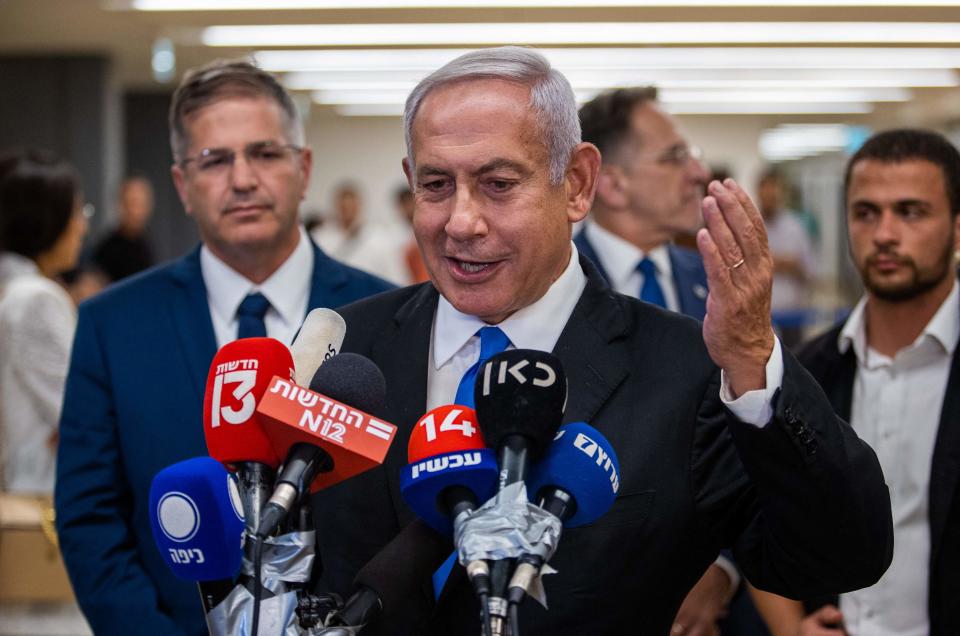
319, 339
577, 481
197, 521
520, 396
326, 432
450, 469
238, 377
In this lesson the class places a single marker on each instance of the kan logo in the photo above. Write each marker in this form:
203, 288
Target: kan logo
594, 451
541, 375
446, 462
179, 516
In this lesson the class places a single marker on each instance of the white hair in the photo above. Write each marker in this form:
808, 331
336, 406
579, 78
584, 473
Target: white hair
551, 97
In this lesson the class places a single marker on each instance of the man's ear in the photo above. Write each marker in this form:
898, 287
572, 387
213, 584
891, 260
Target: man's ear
306, 167
408, 171
581, 180
179, 183
611, 187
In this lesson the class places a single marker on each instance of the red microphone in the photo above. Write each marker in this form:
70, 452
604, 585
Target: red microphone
445, 429
239, 376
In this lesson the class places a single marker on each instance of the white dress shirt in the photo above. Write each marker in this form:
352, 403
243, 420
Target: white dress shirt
896, 410
37, 325
455, 347
372, 247
619, 259
287, 289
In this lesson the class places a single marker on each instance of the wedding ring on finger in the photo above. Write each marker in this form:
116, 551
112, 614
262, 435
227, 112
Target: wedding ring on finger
735, 265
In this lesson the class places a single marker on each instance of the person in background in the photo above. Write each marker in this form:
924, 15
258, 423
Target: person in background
135, 388
649, 190
41, 231
360, 242
126, 251
893, 370
411, 253
794, 263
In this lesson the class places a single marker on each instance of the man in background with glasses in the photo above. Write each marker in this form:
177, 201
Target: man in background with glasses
651, 184
134, 391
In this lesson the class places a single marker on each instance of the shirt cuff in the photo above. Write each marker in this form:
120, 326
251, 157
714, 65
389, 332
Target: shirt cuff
730, 570
756, 407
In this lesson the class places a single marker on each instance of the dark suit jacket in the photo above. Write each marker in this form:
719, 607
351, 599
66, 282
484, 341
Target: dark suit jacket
836, 372
689, 276
693, 478
132, 407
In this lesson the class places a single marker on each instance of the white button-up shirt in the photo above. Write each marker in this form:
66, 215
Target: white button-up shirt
896, 410
287, 289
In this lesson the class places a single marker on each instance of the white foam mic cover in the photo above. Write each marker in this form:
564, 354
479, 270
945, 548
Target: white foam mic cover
320, 338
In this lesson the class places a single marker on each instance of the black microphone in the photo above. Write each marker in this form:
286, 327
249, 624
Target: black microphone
350, 379
388, 583
520, 396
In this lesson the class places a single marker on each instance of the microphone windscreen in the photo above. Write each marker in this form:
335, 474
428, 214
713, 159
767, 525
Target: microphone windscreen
319, 339
445, 429
197, 519
352, 379
582, 462
521, 392
446, 450
404, 566
239, 375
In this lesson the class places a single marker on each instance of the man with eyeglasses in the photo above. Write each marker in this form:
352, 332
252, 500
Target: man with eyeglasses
134, 391
650, 187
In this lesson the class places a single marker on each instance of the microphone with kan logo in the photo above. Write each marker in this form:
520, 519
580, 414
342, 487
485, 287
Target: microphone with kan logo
520, 396
198, 525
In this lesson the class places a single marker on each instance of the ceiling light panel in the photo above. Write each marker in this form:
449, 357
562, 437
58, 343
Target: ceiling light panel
547, 33
267, 5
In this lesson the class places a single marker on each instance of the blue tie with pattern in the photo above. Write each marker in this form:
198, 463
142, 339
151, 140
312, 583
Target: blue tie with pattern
250, 315
650, 291
492, 342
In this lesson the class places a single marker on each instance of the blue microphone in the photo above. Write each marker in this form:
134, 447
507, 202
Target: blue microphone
577, 481
197, 520
578, 477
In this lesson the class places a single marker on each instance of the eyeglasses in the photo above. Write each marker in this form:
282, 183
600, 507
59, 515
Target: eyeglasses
678, 156
261, 156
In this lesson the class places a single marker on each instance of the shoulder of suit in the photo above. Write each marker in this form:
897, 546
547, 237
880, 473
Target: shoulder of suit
140, 290
381, 306
821, 349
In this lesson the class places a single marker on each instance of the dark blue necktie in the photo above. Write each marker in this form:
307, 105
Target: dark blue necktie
250, 315
492, 342
650, 291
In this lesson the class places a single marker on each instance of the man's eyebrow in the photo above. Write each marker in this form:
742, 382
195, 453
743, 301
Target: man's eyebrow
430, 171
504, 164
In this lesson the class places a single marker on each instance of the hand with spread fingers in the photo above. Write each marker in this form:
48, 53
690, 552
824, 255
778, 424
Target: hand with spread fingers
737, 328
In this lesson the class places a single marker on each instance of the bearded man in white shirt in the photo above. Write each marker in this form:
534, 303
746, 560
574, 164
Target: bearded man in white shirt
893, 372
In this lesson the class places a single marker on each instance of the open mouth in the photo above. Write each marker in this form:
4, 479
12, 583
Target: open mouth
468, 269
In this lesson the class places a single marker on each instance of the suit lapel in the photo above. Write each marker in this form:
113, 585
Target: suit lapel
327, 282
595, 365
691, 283
402, 356
945, 469
191, 316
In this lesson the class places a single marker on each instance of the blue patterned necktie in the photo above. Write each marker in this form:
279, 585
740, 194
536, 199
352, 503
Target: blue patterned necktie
492, 342
650, 291
250, 316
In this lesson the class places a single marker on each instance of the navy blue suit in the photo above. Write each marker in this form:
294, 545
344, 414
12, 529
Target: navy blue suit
690, 280
133, 405
689, 276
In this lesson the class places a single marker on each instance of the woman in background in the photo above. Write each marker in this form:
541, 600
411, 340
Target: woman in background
41, 230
